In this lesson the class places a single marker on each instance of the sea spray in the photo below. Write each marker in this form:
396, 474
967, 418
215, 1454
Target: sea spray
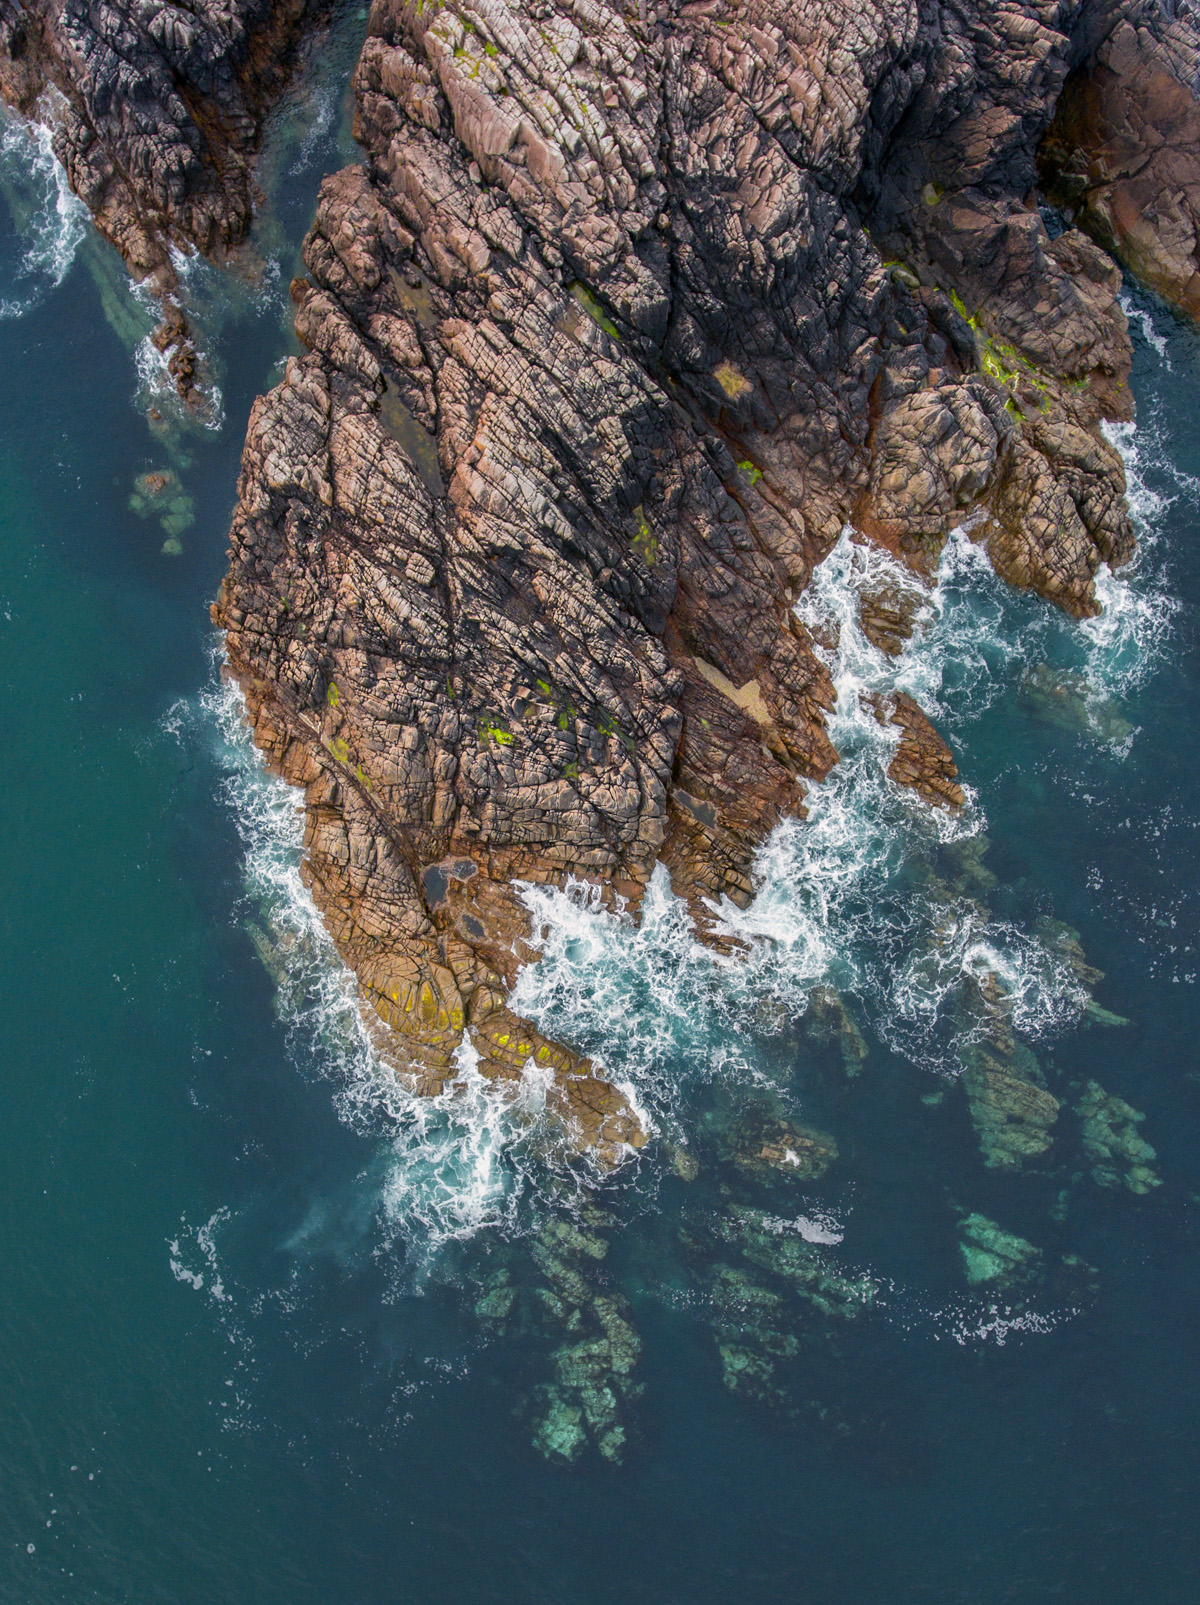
51, 221
446, 1168
854, 897
849, 897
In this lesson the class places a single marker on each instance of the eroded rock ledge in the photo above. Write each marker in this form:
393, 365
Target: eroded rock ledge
620, 321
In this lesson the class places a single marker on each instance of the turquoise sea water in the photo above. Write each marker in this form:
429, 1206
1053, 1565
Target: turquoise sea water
248, 1351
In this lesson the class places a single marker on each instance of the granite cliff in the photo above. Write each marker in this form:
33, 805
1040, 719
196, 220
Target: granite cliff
626, 313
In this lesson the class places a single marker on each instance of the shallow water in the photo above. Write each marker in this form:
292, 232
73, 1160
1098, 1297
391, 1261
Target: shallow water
249, 1350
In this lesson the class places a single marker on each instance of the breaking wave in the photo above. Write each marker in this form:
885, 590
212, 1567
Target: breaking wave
51, 220
445, 1168
874, 896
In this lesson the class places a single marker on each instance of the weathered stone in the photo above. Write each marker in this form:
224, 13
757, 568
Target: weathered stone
761, 1144
1118, 1152
623, 316
993, 1256
1011, 1113
1123, 152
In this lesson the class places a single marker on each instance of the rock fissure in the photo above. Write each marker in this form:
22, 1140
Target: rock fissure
617, 325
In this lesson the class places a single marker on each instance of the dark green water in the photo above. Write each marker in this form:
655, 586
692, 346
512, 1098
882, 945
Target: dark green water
241, 1359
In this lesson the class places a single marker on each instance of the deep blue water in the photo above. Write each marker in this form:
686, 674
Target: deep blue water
240, 1360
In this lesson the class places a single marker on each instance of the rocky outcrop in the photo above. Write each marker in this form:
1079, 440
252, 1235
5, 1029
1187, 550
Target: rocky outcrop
1123, 152
922, 761
156, 111
621, 319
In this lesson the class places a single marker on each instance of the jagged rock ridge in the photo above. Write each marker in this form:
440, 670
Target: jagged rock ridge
617, 325
624, 316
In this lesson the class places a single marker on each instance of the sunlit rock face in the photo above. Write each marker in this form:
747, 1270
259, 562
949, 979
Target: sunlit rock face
616, 327
620, 322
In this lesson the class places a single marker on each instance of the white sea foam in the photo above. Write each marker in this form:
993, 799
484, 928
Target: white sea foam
843, 898
819, 1226
840, 897
51, 218
321, 111
1144, 319
446, 1167
201, 1249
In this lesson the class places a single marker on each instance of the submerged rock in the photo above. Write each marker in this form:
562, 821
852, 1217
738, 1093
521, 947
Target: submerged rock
828, 1018
1013, 1114
995, 1256
1120, 1155
1067, 699
775, 1246
998, 1261
684, 1163
761, 1144
594, 1373
159, 494
774, 1313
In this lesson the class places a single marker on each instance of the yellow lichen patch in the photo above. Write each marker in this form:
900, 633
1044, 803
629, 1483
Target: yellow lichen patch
645, 542
731, 381
429, 1008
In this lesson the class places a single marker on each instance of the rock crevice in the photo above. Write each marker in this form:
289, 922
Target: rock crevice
624, 316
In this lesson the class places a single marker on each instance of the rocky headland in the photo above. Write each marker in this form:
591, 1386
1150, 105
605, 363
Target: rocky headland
627, 312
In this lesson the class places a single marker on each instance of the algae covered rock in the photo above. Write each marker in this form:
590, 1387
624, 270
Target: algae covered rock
773, 1309
1068, 700
774, 1246
585, 1402
595, 1383
828, 1019
992, 1255
1013, 1114
996, 1260
159, 494
764, 1144
1120, 1155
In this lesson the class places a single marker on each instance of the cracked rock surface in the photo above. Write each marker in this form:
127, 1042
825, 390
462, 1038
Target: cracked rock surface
156, 110
625, 314
619, 322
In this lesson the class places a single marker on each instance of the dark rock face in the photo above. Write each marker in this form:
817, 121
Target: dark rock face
626, 313
618, 324
160, 109
157, 112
